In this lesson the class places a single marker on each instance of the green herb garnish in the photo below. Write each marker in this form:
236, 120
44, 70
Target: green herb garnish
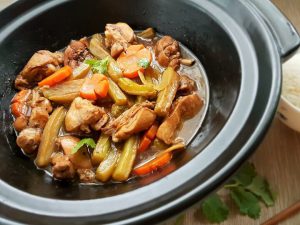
144, 63
245, 174
247, 203
98, 66
214, 209
85, 141
246, 189
260, 188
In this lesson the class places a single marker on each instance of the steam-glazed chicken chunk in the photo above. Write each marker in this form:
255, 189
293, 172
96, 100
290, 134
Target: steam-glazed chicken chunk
76, 52
62, 167
185, 107
29, 139
83, 114
167, 52
118, 37
42, 64
138, 118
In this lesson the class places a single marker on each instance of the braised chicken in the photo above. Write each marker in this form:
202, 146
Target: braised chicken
20, 123
41, 64
185, 107
76, 52
30, 109
118, 37
167, 52
108, 107
137, 118
86, 175
38, 101
38, 118
82, 115
186, 84
62, 168
29, 139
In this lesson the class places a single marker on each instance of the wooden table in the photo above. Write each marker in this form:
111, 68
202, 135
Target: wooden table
277, 158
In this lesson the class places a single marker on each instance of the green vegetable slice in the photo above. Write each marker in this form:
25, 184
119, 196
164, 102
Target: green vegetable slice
214, 209
85, 141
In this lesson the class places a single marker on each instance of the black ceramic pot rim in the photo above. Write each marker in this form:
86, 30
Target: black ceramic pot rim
181, 188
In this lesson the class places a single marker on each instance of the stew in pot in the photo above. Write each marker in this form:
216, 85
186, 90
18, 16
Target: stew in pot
108, 107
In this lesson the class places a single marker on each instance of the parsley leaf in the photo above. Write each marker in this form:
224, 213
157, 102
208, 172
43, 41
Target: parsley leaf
247, 203
144, 63
214, 209
85, 141
98, 66
245, 174
260, 187
246, 189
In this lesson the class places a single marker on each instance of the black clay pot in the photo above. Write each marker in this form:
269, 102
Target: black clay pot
240, 43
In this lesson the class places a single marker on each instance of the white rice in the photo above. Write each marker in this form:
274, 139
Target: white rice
291, 80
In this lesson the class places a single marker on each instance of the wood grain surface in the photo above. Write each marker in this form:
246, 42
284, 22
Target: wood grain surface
277, 158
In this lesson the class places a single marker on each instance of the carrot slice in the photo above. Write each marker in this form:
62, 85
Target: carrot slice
87, 90
151, 133
57, 76
100, 84
145, 143
154, 164
102, 88
129, 61
132, 49
144, 54
95, 86
131, 71
148, 137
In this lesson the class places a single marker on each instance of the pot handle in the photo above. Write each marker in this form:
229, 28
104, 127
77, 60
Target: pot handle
284, 33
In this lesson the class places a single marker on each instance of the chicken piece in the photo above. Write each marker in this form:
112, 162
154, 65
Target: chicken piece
97, 126
20, 123
185, 108
142, 120
118, 37
62, 168
29, 139
19, 104
86, 175
22, 96
38, 118
81, 159
42, 64
186, 84
41, 102
82, 114
138, 118
33, 109
76, 52
167, 52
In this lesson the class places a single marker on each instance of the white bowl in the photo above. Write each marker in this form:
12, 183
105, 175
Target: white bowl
287, 112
